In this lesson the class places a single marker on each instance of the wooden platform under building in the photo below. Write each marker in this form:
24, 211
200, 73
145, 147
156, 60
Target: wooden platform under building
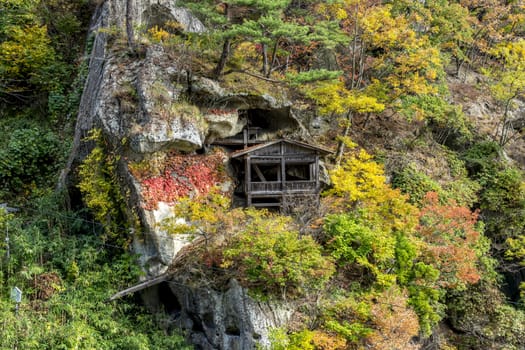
248, 136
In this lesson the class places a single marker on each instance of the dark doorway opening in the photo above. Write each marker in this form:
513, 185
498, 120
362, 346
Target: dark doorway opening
168, 300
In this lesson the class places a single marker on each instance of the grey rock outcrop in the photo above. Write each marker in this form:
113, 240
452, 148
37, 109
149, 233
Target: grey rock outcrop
228, 319
152, 13
148, 104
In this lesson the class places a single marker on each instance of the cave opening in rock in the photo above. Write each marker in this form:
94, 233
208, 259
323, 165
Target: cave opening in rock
168, 300
260, 125
276, 120
233, 330
196, 323
208, 320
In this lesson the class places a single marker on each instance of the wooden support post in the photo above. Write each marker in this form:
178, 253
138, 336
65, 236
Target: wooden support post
248, 181
316, 174
283, 175
283, 164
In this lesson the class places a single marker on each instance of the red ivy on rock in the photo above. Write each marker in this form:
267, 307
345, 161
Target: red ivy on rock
182, 176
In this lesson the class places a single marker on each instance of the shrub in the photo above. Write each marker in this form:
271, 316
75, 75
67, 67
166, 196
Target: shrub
414, 183
395, 323
375, 320
502, 202
454, 243
481, 157
271, 257
360, 182
483, 304
101, 192
445, 117
349, 317
29, 159
350, 241
463, 190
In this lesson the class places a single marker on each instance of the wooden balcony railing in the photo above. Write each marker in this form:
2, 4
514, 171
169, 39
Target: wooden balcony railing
280, 187
299, 186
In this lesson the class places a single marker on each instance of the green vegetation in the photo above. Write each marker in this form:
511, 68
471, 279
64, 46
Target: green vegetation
101, 192
66, 277
60, 259
40, 44
381, 245
508, 83
269, 256
266, 251
399, 250
29, 159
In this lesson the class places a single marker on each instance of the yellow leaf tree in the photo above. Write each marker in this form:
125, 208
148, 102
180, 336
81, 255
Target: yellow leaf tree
25, 49
507, 84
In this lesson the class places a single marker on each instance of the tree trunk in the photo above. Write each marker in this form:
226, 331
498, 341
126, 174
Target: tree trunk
129, 27
505, 125
341, 145
354, 48
226, 47
265, 59
274, 58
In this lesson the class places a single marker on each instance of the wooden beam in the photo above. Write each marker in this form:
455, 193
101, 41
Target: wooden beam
283, 173
283, 163
259, 172
248, 180
266, 205
183, 254
140, 286
316, 171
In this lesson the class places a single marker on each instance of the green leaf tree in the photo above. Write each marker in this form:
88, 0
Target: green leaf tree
269, 30
271, 256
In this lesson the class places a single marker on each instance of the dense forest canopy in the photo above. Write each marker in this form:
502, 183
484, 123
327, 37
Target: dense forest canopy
417, 243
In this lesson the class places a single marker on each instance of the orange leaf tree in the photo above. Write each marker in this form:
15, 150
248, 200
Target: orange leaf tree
454, 242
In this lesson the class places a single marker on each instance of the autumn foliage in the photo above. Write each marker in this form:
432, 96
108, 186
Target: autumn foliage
452, 241
181, 176
383, 261
395, 323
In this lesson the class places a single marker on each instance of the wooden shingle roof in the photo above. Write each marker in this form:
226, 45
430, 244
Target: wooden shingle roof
254, 148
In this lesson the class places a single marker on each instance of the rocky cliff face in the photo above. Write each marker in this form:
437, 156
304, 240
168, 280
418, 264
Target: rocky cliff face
226, 319
158, 117
150, 106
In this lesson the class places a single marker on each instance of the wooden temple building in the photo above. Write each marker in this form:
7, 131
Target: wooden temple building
277, 172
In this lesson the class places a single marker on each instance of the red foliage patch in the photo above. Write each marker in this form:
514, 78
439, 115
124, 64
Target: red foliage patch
183, 175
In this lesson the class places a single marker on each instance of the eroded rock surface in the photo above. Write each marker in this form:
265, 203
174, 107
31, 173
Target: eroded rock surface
149, 106
228, 319
157, 118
